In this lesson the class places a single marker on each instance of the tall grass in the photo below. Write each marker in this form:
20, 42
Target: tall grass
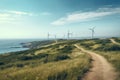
114, 58
52, 62
107, 49
72, 69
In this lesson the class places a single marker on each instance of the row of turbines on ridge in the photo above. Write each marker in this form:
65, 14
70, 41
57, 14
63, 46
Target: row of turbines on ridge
69, 34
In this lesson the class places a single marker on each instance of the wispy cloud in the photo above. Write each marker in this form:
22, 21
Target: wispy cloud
14, 12
20, 13
86, 16
9, 16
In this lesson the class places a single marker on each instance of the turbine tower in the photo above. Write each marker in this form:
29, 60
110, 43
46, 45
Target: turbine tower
93, 31
55, 38
48, 36
68, 34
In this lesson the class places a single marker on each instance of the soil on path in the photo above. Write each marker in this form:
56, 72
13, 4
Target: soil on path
101, 68
114, 42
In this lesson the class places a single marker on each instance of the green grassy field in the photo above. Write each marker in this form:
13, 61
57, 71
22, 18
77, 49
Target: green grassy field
61, 61
114, 58
107, 49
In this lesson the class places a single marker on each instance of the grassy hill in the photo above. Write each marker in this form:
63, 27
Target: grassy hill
57, 61
106, 48
60, 61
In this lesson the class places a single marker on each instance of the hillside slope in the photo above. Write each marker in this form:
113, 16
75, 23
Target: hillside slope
101, 69
63, 61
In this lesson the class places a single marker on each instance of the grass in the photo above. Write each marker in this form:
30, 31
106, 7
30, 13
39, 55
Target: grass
63, 70
107, 49
53, 62
45, 54
114, 58
100, 45
116, 39
61, 61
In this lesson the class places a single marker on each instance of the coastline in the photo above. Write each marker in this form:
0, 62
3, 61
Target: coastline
36, 44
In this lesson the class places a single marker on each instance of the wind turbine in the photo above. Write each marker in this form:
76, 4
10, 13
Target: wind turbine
55, 38
48, 36
68, 34
93, 31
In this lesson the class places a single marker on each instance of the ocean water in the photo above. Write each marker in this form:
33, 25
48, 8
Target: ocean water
13, 45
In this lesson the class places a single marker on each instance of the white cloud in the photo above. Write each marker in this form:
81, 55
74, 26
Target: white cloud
19, 13
86, 16
13, 12
8, 16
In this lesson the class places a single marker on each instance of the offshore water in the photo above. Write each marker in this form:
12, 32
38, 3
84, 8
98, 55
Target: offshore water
13, 45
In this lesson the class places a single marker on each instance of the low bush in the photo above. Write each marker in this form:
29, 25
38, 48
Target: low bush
61, 57
66, 49
39, 56
111, 47
20, 65
1, 63
88, 46
102, 41
26, 58
56, 57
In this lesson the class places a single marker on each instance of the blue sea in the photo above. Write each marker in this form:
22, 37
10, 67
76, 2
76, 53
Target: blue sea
13, 45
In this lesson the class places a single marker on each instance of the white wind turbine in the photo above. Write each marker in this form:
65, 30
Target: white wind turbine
93, 31
48, 36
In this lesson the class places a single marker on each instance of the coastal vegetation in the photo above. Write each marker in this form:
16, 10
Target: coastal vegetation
57, 61
61, 61
106, 48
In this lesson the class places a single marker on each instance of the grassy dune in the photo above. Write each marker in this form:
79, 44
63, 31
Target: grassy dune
62, 70
114, 58
60, 61
107, 49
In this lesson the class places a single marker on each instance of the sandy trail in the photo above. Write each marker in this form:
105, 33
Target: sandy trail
101, 69
114, 42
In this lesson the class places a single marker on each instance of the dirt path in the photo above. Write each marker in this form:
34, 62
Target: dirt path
114, 42
101, 69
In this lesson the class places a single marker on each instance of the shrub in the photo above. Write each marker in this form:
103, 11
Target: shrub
110, 47
103, 41
61, 57
42, 55
86, 45
25, 58
19, 65
1, 63
55, 57
66, 49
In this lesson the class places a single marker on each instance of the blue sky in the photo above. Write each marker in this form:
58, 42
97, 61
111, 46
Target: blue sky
36, 18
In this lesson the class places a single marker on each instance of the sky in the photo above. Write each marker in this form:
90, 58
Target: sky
36, 18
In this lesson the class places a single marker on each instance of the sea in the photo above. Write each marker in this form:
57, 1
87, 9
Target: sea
13, 45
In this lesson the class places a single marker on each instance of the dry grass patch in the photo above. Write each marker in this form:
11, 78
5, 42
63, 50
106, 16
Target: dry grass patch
50, 71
